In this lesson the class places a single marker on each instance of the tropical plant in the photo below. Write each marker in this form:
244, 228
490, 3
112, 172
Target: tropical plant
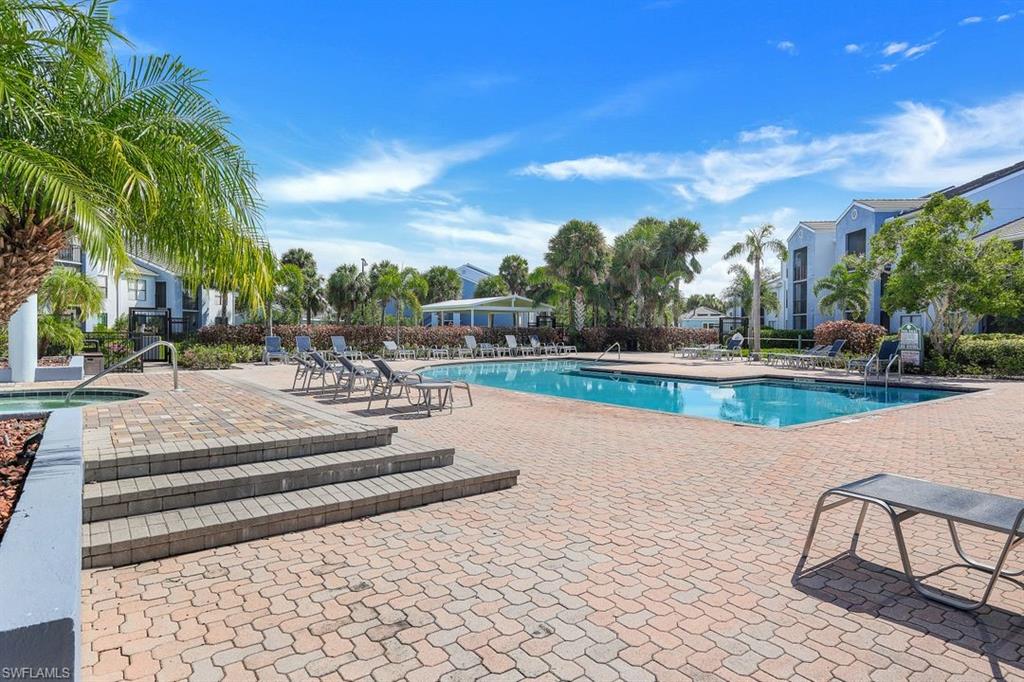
941, 268
443, 284
377, 272
845, 289
543, 286
712, 301
406, 288
758, 244
70, 293
285, 304
495, 285
116, 155
578, 255
312, 282
347, 288
515, 271
741, 290
59, 333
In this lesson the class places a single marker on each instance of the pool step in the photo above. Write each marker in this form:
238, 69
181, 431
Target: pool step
120, 541
165, 458
162, 492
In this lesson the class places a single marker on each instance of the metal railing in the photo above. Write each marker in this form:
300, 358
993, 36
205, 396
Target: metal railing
898, 357
137, 354
608, 349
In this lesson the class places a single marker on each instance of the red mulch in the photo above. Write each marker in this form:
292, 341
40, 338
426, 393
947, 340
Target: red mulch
45, 361
13, 471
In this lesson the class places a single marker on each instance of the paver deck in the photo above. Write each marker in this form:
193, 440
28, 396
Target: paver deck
637, 545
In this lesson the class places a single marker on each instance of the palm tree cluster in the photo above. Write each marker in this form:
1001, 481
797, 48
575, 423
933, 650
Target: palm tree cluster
123, 157
758, 244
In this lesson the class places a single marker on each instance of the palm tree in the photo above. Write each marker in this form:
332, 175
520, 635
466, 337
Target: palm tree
847, 288
515, 271
578, 255
406, 288
347, 288
286, 299
70, 293
495, 285
313, 282
741, 289
757, 244
443, 284
544, 287
377, 272
634, 255
119, 156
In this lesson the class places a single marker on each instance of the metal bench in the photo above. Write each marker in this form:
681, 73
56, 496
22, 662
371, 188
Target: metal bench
903, 498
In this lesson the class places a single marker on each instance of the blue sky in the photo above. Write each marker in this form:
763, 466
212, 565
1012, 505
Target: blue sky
439, 133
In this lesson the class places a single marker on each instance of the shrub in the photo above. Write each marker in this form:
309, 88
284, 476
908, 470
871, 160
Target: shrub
1000, 355
650, 339
219, 356
861, 337
370, 338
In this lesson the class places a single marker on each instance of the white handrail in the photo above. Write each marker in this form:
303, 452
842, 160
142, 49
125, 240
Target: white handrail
606, 350
133, 356
897, 357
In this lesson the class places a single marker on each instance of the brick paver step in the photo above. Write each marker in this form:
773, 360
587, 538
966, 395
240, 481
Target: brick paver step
162, 492
171, 457
116, 542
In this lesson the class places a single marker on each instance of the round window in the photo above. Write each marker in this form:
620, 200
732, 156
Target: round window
853, 214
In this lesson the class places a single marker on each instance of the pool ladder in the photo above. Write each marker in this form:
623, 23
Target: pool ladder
606, 351
133, 356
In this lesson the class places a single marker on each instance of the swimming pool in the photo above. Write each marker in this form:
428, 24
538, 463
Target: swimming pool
13, 402
764, 402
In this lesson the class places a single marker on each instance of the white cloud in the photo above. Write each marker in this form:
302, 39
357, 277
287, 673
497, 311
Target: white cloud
966, 21
787, 46
919, 146
885, 68
388, 170
773, 133
853, 48
894, 48
918, 50
1004, 17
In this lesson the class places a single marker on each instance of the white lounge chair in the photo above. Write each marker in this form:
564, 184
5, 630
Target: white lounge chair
396, 352
515, 349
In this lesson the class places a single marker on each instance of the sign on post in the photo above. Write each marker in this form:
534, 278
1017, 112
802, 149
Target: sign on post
911, 345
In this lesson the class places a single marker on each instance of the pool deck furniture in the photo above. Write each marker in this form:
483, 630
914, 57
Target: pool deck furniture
272, 349
352, 373
391, 384
878, 361
489, 349
303, 344
733, 349
304, 370
693, 351
903, 498
515, 349
396, 352
470, 349
792, 359
440, 353
340, 347
543, 348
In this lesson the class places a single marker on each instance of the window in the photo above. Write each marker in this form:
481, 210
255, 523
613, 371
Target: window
856, 243
710, 325
101, 320
218, 299
910, 319
1019, 244
800, 264
137, 288
101, 282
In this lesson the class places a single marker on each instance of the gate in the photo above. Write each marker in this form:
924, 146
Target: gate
146, 325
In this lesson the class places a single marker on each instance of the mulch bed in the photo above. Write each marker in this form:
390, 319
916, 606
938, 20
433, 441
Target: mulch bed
14, 469
45, 361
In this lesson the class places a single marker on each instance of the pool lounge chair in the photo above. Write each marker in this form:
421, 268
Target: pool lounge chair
903, 498
543, 348
304, 368
397, 352
272, 349
515, 349
492, 350
830, 358
351, 373
733, 349
303, 344
794, 358
879, 361
340, 347
694, 351
391, 384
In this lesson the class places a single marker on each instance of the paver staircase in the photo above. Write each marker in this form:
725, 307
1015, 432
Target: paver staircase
168, 499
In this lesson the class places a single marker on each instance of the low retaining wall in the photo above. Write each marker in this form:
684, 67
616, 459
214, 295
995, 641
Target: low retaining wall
41, 559
73, 371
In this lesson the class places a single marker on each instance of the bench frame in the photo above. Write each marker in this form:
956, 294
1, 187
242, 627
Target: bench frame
1013, 538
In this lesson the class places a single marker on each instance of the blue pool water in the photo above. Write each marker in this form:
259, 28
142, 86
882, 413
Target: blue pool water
775, 403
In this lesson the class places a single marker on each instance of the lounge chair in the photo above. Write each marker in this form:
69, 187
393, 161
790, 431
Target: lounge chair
565, 348
303, 344
489, 349
794, 358
830, 357
694, 351
272, 349
391, 384
304, 368
878, 362
395, 351
340, 348
351, 373
543, 348
733, 349
309, 367
322, 369
903, 498
515, 349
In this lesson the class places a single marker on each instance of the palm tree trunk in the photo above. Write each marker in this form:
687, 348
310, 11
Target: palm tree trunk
755, 314
579, 309
28, 248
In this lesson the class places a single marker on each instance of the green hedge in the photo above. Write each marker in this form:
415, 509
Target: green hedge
1000, 355
650, 339
218, 356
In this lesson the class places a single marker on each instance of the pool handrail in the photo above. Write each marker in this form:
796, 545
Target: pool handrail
133, 356
608, 349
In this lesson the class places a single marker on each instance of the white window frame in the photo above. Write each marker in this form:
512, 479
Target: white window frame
134, 288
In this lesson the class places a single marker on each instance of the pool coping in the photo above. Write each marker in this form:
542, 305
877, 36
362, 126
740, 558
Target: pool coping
959, 391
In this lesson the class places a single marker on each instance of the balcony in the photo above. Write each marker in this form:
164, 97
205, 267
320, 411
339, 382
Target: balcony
72, 253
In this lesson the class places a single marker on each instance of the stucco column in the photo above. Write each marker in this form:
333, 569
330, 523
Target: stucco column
23, 335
